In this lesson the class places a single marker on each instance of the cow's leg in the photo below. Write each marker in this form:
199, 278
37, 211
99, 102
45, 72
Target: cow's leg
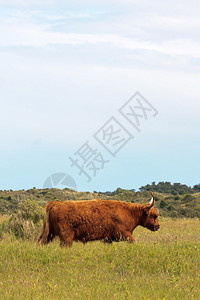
128, 236
50, 237
66, 238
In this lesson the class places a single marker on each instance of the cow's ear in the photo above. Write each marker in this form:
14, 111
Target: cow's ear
146, 209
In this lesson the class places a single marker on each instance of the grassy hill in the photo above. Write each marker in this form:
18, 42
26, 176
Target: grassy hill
186, 205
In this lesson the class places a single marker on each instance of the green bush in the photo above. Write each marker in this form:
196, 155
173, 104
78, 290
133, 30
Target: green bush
182, 211
24, 229
170, 208
162, 204
187, 199
30, 210
26, 223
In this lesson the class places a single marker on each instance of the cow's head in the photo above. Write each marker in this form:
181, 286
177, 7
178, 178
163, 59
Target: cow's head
149, 217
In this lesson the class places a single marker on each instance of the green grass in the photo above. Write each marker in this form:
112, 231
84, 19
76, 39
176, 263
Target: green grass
164, 264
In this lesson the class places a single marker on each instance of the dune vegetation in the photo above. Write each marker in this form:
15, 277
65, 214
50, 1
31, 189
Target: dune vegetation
159, 265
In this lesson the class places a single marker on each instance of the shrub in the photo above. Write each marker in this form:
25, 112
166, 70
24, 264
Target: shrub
162, 204
24, 229
30, 210
187, 198
26, 223
182, 211
170, 208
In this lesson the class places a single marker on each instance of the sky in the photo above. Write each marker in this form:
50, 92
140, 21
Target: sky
97, 95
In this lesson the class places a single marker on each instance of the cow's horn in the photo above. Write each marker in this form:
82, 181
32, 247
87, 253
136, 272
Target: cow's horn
152, 201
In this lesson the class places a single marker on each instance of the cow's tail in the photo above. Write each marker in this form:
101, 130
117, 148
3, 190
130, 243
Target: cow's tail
44, 237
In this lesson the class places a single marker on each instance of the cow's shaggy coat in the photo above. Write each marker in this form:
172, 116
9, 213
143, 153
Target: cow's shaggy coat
90, 220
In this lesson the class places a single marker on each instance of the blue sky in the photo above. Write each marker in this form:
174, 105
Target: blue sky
66, 69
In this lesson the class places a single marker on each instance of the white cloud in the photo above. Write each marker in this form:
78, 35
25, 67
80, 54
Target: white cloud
30, 29
39, 36
33, 28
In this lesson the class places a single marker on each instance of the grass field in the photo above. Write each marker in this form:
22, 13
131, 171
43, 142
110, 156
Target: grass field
164, 264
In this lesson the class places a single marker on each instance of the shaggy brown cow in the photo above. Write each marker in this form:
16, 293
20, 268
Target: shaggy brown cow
96, 219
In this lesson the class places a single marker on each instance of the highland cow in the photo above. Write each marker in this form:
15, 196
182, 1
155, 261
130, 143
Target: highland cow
91, 220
